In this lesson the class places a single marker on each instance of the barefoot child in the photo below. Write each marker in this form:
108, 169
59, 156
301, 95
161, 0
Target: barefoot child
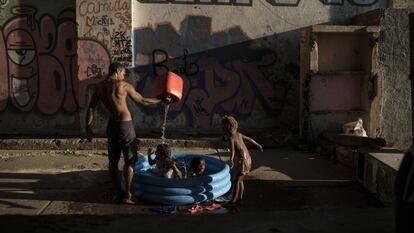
237, 147
166, 166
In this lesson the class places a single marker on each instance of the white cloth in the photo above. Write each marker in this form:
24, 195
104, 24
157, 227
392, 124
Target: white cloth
355, 128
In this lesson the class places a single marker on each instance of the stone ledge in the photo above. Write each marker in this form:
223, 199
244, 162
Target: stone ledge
377, 171
99, 143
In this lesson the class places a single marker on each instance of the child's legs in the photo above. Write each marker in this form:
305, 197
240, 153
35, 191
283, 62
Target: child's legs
238, 189
241, 178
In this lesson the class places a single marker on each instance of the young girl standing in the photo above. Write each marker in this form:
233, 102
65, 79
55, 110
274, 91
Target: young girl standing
237, 147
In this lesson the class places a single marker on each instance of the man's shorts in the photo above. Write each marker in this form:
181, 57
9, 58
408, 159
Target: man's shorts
121, 138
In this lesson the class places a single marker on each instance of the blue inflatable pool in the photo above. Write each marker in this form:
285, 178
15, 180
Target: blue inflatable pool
190, 190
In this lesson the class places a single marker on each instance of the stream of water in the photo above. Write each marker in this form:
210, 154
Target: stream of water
167, 107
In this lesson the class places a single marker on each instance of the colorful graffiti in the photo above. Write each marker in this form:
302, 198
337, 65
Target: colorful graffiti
204, 2
288, 3
3, 5
228, 80
39, 62
160, 59
110, 23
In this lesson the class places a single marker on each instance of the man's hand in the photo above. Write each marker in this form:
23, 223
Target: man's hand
150, 151
167, 99
231, 164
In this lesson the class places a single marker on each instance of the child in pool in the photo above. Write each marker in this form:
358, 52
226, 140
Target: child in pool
237, 147
166, 166
198, 166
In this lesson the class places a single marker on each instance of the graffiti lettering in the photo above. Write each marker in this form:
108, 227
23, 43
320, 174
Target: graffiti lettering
228, 80
198, 107
294, 3
104, 20
363, 2
160, 57
94, 71
125, 18
108, 21
288, 3
39, 63
204, 2
3, 3
188, 69
121, 47
91, 7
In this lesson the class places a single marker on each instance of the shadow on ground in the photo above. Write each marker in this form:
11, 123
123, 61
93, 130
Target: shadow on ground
77, 186
95, 187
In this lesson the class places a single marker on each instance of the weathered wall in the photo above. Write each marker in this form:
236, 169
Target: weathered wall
45, 68
109, 22
238, 57
394, 68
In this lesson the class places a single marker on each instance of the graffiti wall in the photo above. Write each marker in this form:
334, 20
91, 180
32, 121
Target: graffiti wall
109, 22
42, 87
236, 57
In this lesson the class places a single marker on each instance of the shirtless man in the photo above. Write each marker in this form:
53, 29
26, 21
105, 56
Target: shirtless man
113, 92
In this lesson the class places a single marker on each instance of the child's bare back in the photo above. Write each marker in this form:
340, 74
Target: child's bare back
240, 149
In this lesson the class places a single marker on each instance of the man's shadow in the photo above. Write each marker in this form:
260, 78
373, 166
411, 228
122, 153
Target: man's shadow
75, 186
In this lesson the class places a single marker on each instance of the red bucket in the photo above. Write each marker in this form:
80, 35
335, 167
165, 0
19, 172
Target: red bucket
169, 84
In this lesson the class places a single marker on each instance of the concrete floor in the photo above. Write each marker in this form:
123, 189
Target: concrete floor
287, 191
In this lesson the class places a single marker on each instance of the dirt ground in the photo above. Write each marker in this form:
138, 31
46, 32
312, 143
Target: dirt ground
287, 191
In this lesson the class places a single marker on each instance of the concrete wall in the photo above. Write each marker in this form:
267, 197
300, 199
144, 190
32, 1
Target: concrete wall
42, 87
108, 22
394, 68
238, 57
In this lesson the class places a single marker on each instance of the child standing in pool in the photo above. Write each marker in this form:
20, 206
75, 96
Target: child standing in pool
166, 166
237, 147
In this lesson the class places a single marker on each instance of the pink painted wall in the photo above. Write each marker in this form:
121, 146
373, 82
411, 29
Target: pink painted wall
335, 92
340, 51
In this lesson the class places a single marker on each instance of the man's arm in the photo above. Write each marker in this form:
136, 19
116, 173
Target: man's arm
89, 114
138, 98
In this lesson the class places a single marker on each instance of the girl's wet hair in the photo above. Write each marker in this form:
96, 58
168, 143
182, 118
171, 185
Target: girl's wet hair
164, 149
230, 124
195, 162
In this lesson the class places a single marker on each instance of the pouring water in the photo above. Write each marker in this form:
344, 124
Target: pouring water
167, 107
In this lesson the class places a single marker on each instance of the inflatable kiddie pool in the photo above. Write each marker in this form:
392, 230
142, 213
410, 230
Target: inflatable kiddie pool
156, 189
